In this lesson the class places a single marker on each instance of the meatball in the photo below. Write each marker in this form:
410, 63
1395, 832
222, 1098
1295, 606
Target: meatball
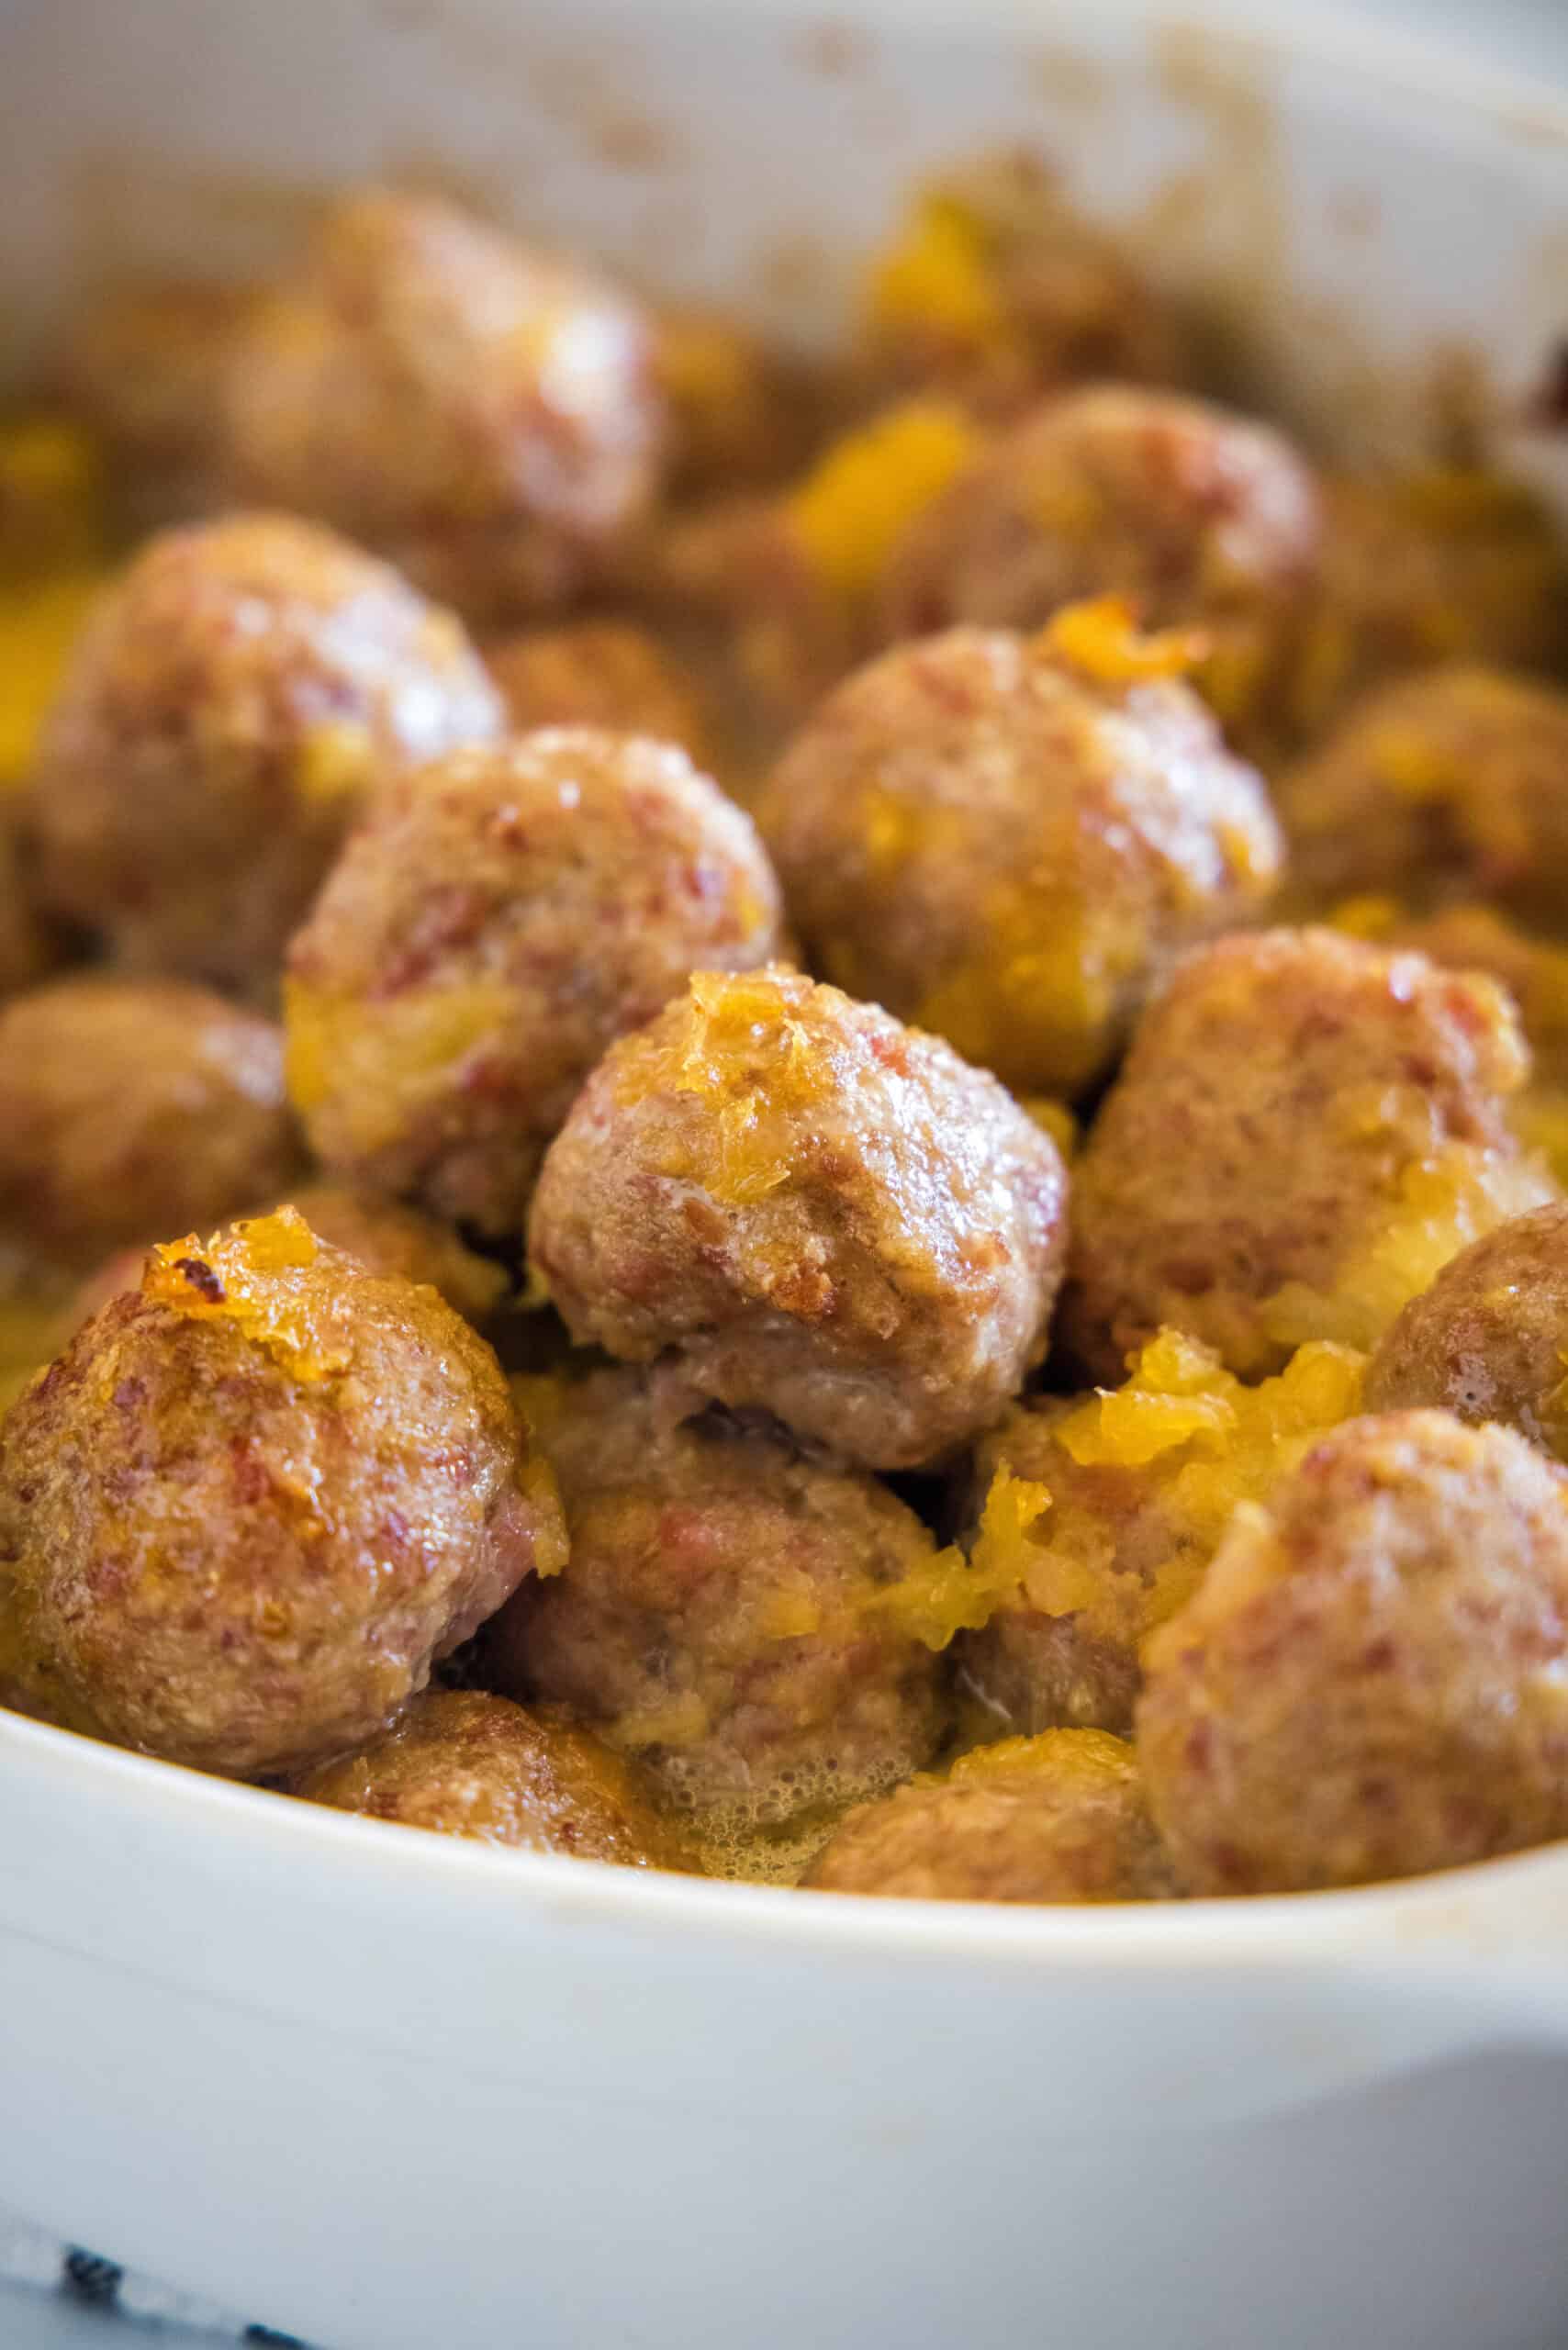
995, 290
1194, 514
250, 1504
1372, 1680
1094, 1517
820, 1212
483, 413
1058, 1818
1452, 785
128, 1106
466, 1764
598, 673
1449, 566
225, 711
749, 1624
496, 922
1007, 840
1489, 1340
1305, 1130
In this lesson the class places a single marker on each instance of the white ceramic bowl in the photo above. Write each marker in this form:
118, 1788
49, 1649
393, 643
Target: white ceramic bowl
396, 2093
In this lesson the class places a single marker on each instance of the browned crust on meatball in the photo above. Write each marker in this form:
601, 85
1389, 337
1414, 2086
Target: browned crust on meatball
1295, 1107
1061, 1817
254, 1502
492, 927
730, 1612
129, 1106
998, 846
483, 412
465, 1764
1489, 1340
820, 1212
231, 701
1372, 1680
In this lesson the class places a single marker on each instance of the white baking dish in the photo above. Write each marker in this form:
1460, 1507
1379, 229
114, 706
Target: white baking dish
399, 2094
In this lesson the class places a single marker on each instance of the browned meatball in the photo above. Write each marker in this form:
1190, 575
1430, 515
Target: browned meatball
1372, 1680
483, 413
252, 1504
1305, 1130
1489, 1340
1007, 840
130, 1106
750, 1623
820, 1212
225, 713
1450, 785
1194, 514
465, 1764
496, 922
1058, 1818
994, 290
1094, 1517
598, 673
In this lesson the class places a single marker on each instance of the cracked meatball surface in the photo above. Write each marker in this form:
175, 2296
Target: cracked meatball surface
128, 1106
1372, 1680
493, 926
1058, 1818
1305, 1130
1489, 1340
746, 1620
226, 708
1008, 840
465, 1764
250, 1504
1196, 514
483, 412
816, 1211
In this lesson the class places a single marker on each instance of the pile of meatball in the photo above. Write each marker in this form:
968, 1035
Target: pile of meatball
780, 1121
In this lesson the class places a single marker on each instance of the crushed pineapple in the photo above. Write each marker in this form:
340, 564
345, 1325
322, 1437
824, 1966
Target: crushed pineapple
1080, 1760
51, 498
384, 1056
1100, 640
38, 626
870, 485
538, 1482
1197, 1442
1443, 1203
938, 276
748, 1063
1041, 989
242, 1277
949, 1593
